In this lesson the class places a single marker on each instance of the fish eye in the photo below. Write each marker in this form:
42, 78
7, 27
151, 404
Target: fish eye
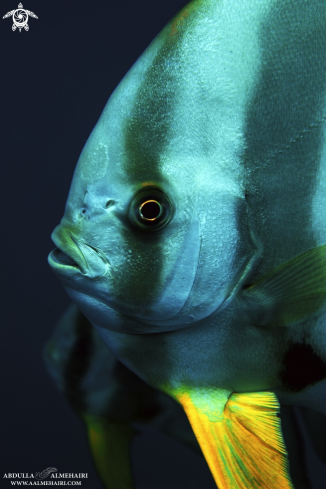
150, 209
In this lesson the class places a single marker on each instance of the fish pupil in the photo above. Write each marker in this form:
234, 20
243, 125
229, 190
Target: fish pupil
150, 210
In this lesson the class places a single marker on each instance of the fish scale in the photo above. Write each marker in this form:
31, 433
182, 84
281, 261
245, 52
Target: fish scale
215, 298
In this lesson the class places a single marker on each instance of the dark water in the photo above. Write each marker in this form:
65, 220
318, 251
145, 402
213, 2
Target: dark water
55, 81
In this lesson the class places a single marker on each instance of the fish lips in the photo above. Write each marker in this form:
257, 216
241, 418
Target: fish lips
62, 264
74, 257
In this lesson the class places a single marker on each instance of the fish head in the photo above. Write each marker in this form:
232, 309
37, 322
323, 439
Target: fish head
156, 223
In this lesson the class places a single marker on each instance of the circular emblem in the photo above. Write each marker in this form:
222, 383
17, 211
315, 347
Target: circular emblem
20, 18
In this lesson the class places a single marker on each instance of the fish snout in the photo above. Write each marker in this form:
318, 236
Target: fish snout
66, 258
73, 254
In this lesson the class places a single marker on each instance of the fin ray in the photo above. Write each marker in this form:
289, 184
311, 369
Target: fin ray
291, 293
240, 437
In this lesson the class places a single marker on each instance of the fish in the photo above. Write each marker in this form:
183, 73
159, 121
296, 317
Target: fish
113, 403
194, 238
115, 406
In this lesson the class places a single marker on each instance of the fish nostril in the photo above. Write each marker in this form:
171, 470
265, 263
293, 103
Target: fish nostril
109, 203
83, 211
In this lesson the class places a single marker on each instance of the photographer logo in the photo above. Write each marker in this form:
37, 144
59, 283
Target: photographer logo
20, 18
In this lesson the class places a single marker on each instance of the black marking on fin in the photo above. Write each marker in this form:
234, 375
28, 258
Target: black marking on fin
302, 367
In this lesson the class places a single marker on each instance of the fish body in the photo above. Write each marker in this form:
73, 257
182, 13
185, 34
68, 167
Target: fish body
193, 235
110, 399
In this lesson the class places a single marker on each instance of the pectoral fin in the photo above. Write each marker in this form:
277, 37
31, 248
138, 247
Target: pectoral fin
240, 436
290, 293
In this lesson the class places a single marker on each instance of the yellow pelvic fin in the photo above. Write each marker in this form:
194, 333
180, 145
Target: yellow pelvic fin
292, 292
240, 436
109, 442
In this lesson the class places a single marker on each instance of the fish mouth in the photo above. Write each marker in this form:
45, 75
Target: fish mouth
61, 258
66, 258
72, 255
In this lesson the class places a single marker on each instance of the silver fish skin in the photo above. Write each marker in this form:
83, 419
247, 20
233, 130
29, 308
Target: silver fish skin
221, 123
96, 384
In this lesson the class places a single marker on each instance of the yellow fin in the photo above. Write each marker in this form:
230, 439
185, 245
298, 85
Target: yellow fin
292, 292
240, 436
110, 445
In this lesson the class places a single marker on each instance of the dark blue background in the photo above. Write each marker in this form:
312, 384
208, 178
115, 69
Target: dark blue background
55, 81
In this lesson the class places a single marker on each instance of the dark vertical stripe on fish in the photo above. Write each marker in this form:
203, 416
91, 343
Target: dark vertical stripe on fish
284, 130
301, 367
146, 135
